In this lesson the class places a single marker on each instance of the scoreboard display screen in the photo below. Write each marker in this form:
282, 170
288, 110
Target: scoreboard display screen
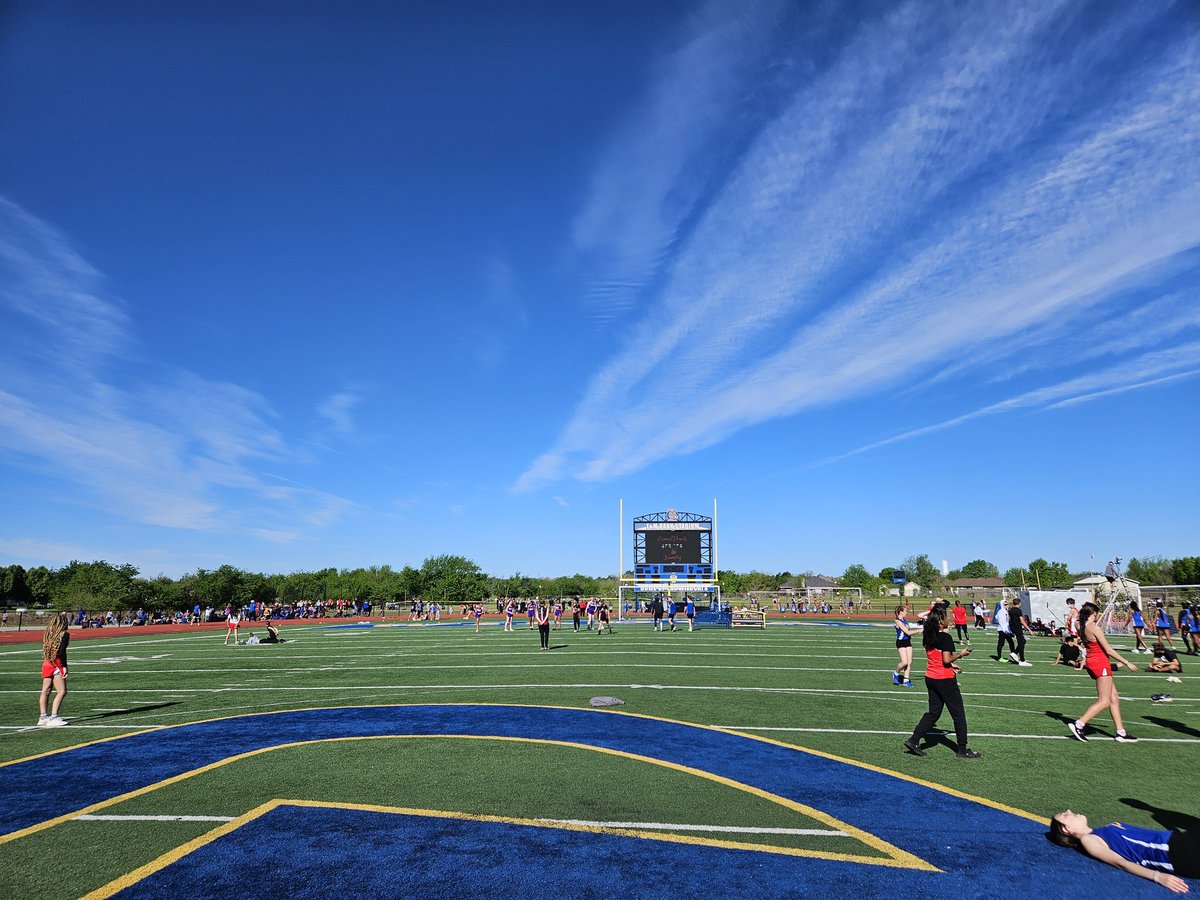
672, 546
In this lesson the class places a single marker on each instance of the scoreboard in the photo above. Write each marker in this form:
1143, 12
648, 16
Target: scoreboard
672, 547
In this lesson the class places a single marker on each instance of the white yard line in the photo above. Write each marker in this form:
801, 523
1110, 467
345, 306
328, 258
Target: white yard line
722, 829
98, 818
974, 734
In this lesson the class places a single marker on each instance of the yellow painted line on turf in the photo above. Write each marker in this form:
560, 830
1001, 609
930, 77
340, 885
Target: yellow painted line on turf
906, 860
610, 712
132, 878
893, 855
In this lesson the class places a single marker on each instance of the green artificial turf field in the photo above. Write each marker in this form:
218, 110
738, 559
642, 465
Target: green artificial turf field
825, 688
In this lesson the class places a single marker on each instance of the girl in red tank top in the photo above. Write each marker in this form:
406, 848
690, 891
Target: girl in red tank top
1098, 664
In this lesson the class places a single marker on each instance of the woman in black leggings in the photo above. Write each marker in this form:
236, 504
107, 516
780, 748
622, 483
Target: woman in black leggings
942, 684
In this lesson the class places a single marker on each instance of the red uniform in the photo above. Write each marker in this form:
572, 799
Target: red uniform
1097, 662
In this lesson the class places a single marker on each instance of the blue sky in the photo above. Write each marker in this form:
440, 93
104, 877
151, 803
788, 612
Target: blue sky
304, 284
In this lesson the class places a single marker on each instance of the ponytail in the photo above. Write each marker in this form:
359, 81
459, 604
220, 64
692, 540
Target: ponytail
933, 623
1086, 611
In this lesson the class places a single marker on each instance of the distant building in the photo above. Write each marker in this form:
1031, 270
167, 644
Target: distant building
1097, 587
975, 587
818, 584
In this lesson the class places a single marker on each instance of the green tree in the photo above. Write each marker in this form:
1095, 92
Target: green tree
979, 568
14, 586
857, 576
758, 581
1149, 570
453, 579
94, 585
1017, 577
923, 572
731, 582
1049, 575
1185, 570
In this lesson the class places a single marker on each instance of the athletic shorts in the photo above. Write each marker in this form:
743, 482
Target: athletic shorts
52, 667
903, 642
1102, 670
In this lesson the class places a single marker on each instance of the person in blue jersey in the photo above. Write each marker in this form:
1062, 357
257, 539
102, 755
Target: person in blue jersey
671, 612
689, 610
1139, 627
1162, 624
1164, 857
904, 635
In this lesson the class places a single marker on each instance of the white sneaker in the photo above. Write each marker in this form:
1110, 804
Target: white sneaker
55, 721
43, 720
1012, 657
1024, 663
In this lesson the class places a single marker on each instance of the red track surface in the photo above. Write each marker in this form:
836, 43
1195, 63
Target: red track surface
31, 631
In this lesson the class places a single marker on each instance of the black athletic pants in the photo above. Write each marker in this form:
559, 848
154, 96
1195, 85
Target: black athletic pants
943, 693
1184, 852
544, 634
1019, 634
1004, 636
960, 632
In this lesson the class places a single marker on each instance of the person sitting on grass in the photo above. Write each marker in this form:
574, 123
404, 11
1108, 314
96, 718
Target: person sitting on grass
1165, 660
1068, 653
272, 636
1164, 857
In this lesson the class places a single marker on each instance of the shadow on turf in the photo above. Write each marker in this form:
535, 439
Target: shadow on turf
1067, 720
1167, 818
124, 712
1174, 726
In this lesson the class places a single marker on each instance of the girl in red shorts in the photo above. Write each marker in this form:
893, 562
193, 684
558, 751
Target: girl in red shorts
1098, 664
54, 669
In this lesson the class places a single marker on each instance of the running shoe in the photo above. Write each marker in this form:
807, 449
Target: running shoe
912, 748
43, 720
967, 753
1125, 738
1076, 732
907, 683
1024, 663
55, 721
895, 678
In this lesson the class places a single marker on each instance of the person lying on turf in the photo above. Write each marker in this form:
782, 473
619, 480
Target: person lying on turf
1164, 857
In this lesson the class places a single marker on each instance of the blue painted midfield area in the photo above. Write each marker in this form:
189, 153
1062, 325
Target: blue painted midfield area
981, 851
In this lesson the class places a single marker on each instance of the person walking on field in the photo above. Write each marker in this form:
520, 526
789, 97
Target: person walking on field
959, 614
1017, 624
1097, 663
1162, 624
232, 622
1003, 633
1139, 627
54, 670
980, 614
904, 648
942, 684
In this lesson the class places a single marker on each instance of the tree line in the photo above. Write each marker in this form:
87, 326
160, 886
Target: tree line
100, 585
1039, 574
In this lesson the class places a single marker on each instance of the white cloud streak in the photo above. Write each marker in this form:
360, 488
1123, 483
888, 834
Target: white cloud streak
921, 201
169, 448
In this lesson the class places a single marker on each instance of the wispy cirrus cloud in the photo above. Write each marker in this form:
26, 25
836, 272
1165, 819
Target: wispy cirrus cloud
659, 161
949, 189
166, 447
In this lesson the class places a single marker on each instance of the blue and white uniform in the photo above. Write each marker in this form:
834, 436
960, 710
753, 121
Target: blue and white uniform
1144, 847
